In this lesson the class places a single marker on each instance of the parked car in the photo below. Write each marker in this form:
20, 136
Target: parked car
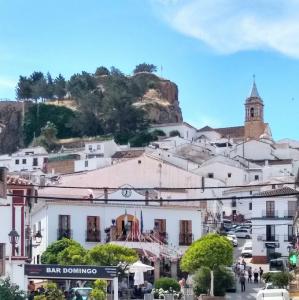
233, 239
83, 291
247, 251
271, 294
243, 233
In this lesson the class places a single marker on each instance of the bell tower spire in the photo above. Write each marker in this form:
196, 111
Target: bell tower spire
254, 106
254, 113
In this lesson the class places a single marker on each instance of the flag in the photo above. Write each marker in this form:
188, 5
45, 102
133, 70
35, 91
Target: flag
135, 228
126, 219
141, 222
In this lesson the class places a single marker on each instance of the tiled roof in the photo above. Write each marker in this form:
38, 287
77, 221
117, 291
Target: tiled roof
237, 131
206, 128
277, 192
16, 180
128, 154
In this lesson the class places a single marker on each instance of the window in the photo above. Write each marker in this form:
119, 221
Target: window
292, 207
24, 161
270, 209
186, 236
64, 229
256, 177
17, 161
160, 225
86, 164
250, 205
90, 147
93, 229
2, 259
251, 112
210, 175
290, 233
234, 202
98, 147
229, 175
270, 232
35, 161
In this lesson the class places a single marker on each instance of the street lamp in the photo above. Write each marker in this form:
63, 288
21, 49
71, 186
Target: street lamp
38, 239
13, 237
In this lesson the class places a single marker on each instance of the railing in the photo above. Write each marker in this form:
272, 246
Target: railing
185, 239
93, 236
64, 233
270, 213
289, 214
270, 238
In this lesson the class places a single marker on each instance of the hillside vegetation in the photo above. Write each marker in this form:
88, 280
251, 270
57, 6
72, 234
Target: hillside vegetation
104, 103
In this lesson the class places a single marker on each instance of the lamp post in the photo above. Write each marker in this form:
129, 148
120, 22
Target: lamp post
13, 239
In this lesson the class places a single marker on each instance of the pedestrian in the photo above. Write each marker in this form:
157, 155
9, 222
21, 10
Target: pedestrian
182, 283
244, 264
249, 271
256, 275
242, 282
261, 271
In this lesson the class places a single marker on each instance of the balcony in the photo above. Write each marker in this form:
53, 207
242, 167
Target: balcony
93, 236
289, 238
270, 214
289, 214
270, 238
185, 239
64, 233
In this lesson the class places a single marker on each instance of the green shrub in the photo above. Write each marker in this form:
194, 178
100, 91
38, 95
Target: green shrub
99, 291
166, 283
223, 280
278, 279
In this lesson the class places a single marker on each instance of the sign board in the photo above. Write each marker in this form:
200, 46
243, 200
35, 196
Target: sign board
70, 272
272, 245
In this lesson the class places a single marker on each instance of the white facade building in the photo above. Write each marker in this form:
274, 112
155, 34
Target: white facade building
27, 159
187, 131
272, 223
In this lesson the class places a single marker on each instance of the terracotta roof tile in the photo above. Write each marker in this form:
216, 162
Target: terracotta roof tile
128, 154
277, 192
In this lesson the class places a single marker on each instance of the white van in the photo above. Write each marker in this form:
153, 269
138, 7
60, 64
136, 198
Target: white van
273, 294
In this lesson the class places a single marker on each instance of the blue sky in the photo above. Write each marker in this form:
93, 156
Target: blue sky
210, 49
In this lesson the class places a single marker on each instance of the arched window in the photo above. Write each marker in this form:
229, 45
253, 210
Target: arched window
251, 112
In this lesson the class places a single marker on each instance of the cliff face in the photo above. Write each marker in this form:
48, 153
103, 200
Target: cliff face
161, 102
11, 115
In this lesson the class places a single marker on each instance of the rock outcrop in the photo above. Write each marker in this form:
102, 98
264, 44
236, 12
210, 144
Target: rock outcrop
11, 115
161, 102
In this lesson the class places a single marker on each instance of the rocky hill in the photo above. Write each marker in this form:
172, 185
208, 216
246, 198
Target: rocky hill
110, 104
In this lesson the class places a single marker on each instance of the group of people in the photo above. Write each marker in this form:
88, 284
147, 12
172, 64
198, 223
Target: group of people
241, 270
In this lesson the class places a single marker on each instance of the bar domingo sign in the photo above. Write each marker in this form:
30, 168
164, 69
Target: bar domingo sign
70, 272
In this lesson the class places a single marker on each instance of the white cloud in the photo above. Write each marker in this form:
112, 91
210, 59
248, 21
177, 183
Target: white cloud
6, 83
229, 26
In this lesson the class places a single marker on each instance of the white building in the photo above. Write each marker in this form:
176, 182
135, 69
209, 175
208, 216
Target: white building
187, 131
272, 222
27, 159
14, 212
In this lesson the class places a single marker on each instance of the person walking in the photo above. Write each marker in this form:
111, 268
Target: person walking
261, 272
242, 282
249, 271
256, 275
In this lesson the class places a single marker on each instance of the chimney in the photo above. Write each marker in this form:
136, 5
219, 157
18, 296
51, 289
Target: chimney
3, 182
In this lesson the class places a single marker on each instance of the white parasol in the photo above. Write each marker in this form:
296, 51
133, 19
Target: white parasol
139, 268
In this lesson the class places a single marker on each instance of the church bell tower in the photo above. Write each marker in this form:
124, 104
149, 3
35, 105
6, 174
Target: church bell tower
254, 114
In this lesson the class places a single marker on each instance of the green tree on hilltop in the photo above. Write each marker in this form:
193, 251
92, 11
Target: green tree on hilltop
150, 68
100, 71
59, 87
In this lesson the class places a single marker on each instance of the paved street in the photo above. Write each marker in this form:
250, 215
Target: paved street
251, 288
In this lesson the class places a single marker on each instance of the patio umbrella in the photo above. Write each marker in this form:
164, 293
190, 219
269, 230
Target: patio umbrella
138, 278
139, 268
